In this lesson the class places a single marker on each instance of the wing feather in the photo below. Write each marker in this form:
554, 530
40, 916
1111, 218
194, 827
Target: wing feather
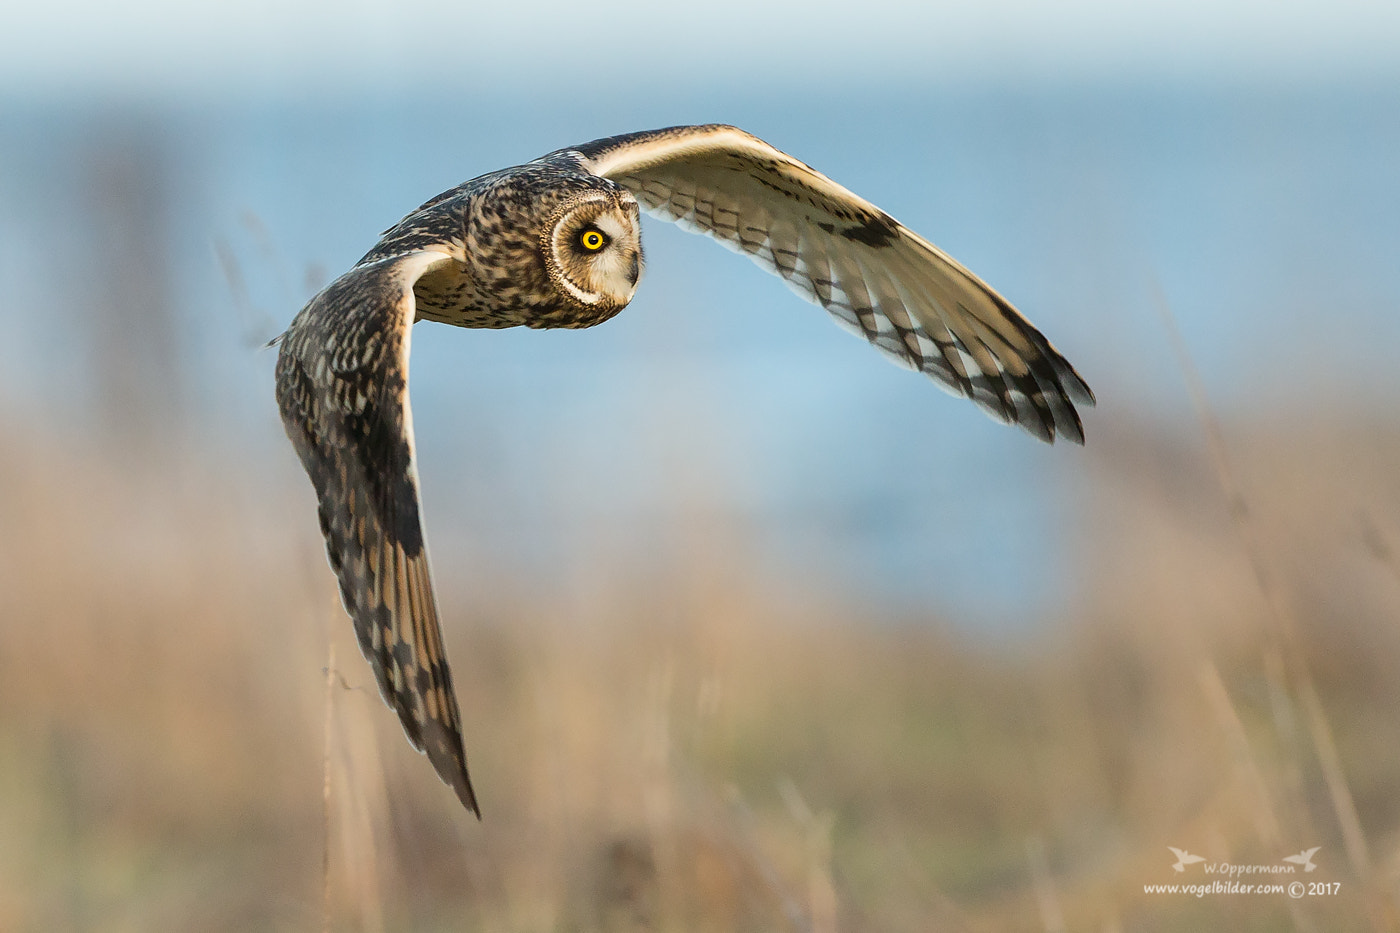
915, 303
342, 389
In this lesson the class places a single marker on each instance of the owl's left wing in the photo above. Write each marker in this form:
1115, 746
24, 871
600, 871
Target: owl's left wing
877, 277
342, 390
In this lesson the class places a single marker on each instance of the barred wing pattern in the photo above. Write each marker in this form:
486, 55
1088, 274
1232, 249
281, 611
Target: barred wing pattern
342, 389
878, 278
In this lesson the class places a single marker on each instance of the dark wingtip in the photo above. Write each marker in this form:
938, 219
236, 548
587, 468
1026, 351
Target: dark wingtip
469, 801
1058, 422
449, 760
461, 785
1081, 392
1071, 428
1074, 385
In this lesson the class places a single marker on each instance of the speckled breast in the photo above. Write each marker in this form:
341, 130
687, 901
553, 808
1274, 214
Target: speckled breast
450, 295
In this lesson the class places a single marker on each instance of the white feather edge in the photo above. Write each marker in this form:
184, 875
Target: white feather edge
637, 157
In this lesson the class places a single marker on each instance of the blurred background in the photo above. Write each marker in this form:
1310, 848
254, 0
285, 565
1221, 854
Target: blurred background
751, 629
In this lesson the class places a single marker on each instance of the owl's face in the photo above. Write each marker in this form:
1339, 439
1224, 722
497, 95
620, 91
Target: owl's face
593, 251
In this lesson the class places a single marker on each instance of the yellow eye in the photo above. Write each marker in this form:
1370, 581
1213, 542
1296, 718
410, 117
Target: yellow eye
592, 240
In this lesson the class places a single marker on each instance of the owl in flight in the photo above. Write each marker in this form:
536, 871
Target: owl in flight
557, 243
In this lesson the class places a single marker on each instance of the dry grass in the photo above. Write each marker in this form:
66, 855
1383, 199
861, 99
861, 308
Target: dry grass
695, 750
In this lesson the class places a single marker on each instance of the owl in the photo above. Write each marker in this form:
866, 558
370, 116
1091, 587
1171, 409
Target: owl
557, 243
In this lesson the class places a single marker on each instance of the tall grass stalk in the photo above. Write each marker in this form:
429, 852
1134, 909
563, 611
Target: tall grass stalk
326, 734
1284, 626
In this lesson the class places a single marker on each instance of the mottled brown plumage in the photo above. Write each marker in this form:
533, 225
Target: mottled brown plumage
556, 243
346, 410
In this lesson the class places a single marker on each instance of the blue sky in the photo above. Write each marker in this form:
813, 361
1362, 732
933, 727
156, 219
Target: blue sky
179, 47
1256, 214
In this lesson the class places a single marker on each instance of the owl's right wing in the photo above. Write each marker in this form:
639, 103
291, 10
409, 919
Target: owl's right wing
342, 389
877, 277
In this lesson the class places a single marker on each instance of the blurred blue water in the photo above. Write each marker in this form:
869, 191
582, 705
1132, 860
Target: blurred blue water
1270, 220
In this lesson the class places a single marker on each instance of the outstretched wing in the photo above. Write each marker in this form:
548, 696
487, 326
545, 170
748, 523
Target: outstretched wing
342, 388
877, 277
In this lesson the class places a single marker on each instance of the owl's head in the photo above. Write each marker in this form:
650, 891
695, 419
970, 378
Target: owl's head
593, 250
